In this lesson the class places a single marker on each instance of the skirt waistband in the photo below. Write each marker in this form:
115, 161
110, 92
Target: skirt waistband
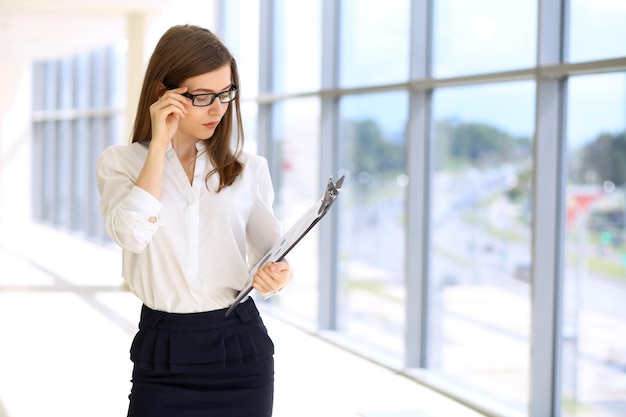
156, 319
174, 341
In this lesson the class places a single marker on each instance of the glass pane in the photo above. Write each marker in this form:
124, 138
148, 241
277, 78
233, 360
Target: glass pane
371, 227
99, 79
117, 74
65, 84
374, 42
62, 169
48, 198
594, 346
37, 174
51, 86
597, 29
80, 174
481, 235
39, 83
483, 36
82, 73
98, 140
296, 180
241, 37
297, 48
249, 118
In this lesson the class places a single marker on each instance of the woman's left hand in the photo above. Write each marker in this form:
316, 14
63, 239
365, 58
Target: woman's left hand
272, 277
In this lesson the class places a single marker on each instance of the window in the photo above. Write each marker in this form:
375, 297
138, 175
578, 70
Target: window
371, 229
481, 229
297, 46
241, 36
76, 115
450, 119
296, 181
374, 42
597, 29
594, 315
482, 36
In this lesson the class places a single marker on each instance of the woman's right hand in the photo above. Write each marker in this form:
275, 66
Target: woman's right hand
165, 114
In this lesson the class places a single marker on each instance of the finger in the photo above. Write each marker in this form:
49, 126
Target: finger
266, 282
273, 276
164, 109
174, 95
263, 282
170, 100
261, 286
279, 271
278, 267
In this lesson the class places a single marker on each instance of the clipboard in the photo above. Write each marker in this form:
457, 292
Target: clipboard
291, 238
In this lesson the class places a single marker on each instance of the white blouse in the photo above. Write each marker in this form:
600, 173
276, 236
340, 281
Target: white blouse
197, 255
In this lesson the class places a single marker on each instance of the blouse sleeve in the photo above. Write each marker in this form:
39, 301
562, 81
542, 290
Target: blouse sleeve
263, 229
125, 207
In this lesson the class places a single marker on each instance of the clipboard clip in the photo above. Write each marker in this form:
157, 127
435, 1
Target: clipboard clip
332, 191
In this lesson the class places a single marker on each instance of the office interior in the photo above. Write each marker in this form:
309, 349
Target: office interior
477, 251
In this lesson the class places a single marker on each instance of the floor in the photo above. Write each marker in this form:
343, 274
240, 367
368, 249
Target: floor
62, 305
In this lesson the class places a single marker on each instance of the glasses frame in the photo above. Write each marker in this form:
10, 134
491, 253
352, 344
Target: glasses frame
228, 99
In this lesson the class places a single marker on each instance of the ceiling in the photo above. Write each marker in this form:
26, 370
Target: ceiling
37, 29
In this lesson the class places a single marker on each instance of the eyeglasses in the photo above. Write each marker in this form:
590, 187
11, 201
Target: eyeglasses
203, 100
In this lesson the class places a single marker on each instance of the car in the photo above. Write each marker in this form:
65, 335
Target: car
522, 271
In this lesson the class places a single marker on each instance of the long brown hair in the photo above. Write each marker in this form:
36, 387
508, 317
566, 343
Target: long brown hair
183, 52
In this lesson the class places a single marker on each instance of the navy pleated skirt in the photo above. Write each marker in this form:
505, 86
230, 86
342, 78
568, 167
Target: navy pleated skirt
202, 364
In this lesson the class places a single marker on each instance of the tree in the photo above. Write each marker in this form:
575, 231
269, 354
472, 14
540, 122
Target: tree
604, 160
369, 151
478, 144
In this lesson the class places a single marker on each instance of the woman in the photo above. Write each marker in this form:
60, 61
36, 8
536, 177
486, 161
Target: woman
192, 215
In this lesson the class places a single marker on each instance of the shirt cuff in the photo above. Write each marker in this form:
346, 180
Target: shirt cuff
144, 201
267, 295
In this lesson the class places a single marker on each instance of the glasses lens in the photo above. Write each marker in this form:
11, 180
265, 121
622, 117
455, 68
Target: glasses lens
202, 99
229, 95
